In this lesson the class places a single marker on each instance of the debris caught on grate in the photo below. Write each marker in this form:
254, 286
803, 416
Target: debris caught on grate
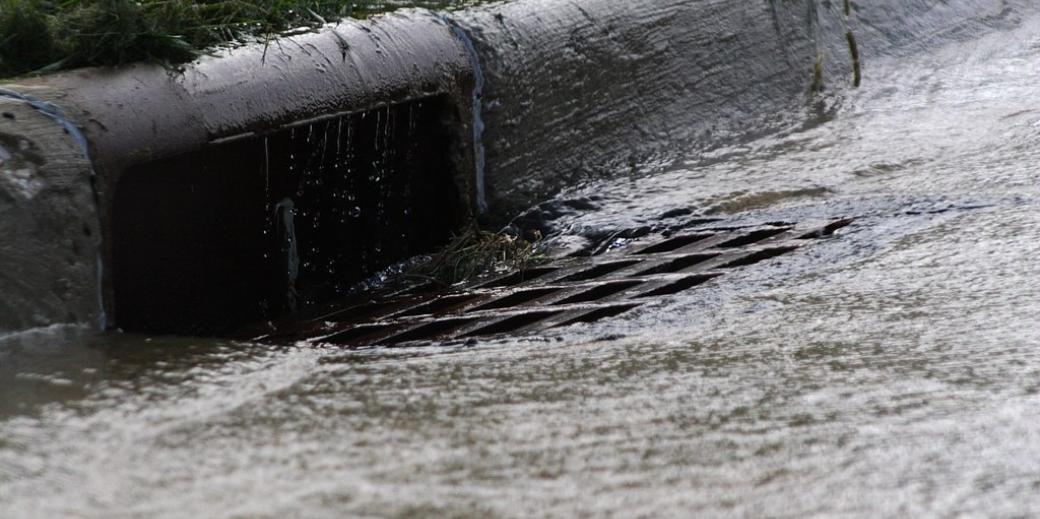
569, 291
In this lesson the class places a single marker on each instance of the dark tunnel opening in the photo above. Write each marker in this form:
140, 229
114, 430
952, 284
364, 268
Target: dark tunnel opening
256, 227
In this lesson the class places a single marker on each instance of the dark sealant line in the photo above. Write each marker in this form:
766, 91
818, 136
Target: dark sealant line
857, 70
478, 120
52, 111
55, 113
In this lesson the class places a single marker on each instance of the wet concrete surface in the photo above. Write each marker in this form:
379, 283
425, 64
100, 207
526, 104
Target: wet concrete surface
143, 119
891, 370
48, 255
585, 90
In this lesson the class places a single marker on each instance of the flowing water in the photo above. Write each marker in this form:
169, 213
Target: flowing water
893, 370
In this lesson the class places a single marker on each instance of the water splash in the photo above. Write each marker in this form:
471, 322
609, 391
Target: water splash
285, 216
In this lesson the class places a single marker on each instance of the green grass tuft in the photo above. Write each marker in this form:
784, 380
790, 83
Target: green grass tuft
474, 252
24, 36
48, 35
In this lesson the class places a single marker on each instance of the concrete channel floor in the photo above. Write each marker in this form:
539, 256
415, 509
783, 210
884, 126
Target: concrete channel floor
893, 370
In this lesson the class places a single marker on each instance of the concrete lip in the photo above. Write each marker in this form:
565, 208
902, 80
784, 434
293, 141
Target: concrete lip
204, 136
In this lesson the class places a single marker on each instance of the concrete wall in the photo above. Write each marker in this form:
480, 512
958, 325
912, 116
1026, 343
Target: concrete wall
49, 228
585, 89
144, 113
568, 91
580, 90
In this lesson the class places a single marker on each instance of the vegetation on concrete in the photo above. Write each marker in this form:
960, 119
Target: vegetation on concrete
473, 252
39, 36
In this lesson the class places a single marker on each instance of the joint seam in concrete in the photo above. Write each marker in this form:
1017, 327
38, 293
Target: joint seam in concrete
55, 113
52, 111
478, 120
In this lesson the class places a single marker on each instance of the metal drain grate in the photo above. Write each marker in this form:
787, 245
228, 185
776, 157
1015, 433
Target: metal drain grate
572, 290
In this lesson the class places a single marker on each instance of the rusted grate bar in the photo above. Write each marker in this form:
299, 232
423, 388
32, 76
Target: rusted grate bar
597, 314
567, 292
519, 277
518, 298
441, 304
514, 323
678, 264
760, 255
675, 287
675, 243
599, 292
599, 271
753, 237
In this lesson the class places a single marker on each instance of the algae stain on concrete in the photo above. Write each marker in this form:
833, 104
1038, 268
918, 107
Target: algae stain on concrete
857, 74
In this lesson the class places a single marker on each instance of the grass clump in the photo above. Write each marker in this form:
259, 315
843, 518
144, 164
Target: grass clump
23, 35
473, 252
48, 35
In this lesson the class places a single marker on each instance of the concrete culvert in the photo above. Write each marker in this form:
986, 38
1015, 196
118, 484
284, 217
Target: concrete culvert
270, 177
49, 229
274, 175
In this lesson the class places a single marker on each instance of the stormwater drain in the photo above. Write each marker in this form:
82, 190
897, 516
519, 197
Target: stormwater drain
569, 291
266, 224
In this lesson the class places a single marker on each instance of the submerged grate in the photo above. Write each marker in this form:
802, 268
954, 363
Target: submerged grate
570, 291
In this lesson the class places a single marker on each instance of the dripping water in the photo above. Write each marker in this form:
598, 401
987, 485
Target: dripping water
285, 216
301, 219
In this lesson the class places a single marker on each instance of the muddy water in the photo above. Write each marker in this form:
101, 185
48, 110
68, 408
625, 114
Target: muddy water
890, 371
